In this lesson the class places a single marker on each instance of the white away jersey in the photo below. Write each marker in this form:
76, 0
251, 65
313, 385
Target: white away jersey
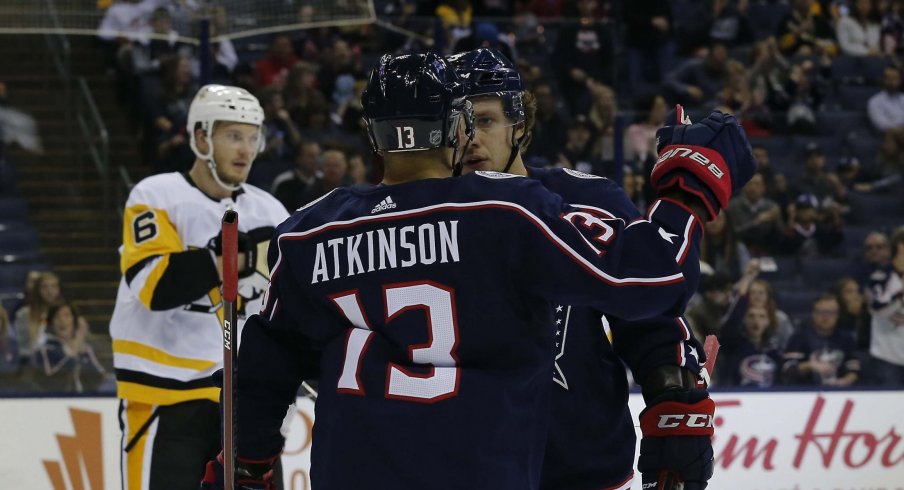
166, 326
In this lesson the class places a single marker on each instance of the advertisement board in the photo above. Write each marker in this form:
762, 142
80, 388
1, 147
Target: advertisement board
843, 440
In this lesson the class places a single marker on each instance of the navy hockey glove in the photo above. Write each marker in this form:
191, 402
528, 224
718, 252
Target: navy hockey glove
677, 428
249, 475
710, 159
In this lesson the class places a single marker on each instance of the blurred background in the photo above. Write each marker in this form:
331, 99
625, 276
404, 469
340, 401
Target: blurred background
94, 97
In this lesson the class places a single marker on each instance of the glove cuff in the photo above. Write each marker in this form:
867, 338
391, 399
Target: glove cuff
704, 163
675, 418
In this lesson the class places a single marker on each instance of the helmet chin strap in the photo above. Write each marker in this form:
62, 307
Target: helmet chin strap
516, 149
212, 166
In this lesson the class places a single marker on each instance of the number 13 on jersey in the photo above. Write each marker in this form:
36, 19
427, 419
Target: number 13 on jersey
438, 301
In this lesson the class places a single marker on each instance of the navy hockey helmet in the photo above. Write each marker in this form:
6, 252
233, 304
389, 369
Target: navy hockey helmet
487, 72
415, 102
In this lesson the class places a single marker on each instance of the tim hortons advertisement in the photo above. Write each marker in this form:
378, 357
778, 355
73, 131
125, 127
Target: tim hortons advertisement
764, 441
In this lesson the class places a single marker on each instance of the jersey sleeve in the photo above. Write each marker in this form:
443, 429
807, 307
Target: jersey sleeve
644, 344
275, 357
631, 270
154, 262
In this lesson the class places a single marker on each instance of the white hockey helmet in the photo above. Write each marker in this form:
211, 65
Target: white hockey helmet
222, 103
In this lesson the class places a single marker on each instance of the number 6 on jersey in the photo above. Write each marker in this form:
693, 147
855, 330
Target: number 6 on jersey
442, 380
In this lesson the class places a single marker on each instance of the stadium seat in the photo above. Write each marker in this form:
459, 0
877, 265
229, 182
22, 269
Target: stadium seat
825, 272
798, 302
853, 240
858, 70
12, 275
872, 209
854, 97
7, 179
841, 124
13, 209
20, 245
766, 17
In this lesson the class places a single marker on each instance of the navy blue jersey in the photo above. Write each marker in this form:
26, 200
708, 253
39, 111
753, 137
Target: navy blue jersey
806, 344
591, 439
424, 310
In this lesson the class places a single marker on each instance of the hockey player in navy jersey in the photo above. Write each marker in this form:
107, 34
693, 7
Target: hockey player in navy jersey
428, 322
591, 440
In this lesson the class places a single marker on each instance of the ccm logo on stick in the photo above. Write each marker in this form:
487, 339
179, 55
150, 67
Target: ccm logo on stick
693, 155
692, 420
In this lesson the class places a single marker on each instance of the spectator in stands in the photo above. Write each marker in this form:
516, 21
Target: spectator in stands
30, 280
885, 292
806, 30
876, 256
775, 182
751, 356
749, 292
756, 218
602, 115
9, 348
811, 230
291, 186
640, 149
274, 68
721, 250
886, 107
826, 186
546, 9
706, 314
859, 31
358, 173
121, 22
549, 132
808, 83
760, 293
819, 353
154, 45
648, 29
301, 92
453, 23
893, 28
30, 321
333, 174
888, 172
167, 111
746, 103
697, 81
584, 56
853, 316
66, 357
770, 74
578, 151
730, 23
339, 68
221, 49
283, 137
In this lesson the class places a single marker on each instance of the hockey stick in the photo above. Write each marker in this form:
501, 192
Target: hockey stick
711, 351
230, 346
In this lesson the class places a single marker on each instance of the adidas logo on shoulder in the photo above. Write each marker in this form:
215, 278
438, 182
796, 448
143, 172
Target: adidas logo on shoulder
384, 205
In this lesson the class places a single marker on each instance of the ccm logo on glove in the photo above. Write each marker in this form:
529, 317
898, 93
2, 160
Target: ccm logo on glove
691, 420
693, 155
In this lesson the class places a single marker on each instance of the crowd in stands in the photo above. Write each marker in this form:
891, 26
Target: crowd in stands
803, 271
45, 345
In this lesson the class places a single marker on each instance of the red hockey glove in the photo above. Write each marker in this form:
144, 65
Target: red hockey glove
709, 160
677, 428
249, 475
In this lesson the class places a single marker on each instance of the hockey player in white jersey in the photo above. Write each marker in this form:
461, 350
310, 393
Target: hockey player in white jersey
166, 326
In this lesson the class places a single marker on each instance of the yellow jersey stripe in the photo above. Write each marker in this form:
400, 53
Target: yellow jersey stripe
136, 416
160, 357
150, 284
162, 396
147, 232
